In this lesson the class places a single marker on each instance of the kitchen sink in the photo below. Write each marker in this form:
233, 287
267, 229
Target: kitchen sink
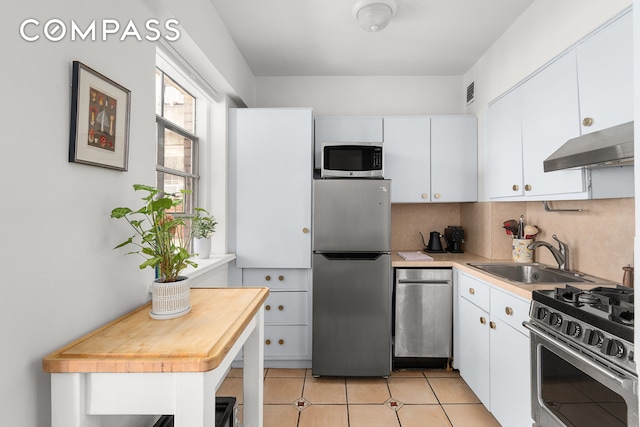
534, 273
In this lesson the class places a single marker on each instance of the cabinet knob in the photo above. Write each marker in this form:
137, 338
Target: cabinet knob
281, 278
281, 307
492, 325
587, 121
268, 342
267, 278
437, 195
527, 187
509, 311
515, 187
483, 320
281, 342
472, 291
305, 230
425, 196
268, 307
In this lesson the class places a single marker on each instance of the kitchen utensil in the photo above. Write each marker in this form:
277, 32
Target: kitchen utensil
434, 245
511, 225
530, 231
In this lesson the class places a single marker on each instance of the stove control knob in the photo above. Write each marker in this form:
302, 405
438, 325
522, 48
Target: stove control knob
592, 337
571, 328
612, 347
554, 319
540, 313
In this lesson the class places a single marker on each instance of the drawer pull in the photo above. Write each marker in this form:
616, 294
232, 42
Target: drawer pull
483, 320
492, 325
268, 307
425, 195
509, 311
587, 121
267, 278
472, 291
281, 307
281, 278
515, 187
281, 342
527, 187
305, 230
268, 342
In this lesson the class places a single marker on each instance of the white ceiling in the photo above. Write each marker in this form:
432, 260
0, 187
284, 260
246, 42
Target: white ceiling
322, 37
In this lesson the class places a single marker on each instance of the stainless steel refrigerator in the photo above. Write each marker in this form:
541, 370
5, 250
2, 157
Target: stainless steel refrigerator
351, 277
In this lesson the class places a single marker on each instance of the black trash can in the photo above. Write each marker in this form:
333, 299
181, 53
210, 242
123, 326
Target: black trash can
225, 414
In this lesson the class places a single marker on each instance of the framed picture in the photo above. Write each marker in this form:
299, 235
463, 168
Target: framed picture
99, 120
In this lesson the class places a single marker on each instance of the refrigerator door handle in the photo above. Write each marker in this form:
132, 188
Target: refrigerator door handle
351, 256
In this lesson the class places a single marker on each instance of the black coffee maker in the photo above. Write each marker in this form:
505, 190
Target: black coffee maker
454, 236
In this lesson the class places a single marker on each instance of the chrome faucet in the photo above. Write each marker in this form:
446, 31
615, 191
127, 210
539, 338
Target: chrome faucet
561, 255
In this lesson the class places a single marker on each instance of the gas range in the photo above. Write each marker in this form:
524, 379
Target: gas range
598, 320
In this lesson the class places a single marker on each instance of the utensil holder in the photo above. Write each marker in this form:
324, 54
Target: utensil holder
520, 250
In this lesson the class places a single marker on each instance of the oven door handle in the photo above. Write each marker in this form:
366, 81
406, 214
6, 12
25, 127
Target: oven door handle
625, 383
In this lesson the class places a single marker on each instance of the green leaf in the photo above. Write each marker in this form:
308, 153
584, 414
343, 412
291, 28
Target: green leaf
125, 243
120, 212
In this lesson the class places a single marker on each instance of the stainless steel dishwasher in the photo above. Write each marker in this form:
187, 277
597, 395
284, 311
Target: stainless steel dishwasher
423, 313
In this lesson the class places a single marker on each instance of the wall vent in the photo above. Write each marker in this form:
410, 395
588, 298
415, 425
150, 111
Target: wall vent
471, 92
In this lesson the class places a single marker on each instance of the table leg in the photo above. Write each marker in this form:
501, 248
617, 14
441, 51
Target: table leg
253, 375
68, 401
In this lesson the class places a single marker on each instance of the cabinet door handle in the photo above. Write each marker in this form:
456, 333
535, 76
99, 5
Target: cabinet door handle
268, 342
483, 320
515, 187
425, 196
472, 291
267, 278
437, 195
281, 307
268, 307
305, 230
281, 278
587, 121
509, 311
492, 325
527, 187
281, 342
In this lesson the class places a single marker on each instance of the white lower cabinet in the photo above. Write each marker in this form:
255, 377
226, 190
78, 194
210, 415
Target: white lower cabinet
494, 349
287, 331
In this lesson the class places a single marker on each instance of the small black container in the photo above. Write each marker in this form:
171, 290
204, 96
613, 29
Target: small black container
225, 414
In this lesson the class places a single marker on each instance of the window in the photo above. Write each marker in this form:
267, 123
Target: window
177, 153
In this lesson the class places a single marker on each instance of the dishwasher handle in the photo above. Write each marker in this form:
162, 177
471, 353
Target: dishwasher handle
423, 281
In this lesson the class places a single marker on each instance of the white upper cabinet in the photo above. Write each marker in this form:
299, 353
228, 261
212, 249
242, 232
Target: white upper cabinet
346, 129
407, 158
431, 158
273, 175
605, 76
549, 119
454, 159
504, 146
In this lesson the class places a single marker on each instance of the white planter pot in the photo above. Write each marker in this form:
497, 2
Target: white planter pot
170, 300
202, 247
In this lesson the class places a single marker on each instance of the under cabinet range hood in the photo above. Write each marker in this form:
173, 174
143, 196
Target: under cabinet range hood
608, 147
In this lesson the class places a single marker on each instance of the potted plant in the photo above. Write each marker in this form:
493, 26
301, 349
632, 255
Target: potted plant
203, 225
160, 240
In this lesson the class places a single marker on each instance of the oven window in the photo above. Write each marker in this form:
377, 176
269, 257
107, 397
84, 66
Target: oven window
576, 398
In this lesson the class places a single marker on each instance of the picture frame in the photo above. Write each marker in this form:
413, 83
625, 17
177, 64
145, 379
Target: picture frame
100, 110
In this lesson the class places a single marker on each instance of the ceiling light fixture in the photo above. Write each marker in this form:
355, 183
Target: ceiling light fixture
374, 15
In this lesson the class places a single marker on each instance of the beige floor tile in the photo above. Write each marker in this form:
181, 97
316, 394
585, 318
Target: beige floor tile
367, 390
235, 373
473, 415
282, 390
407, 373
231, 387
324, 416
372, 416
423, 415
452, 390
441, 373
325, 390
411, 390
286, 373
280, 416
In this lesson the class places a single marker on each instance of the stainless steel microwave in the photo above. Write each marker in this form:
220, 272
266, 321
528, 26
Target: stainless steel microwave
351, 160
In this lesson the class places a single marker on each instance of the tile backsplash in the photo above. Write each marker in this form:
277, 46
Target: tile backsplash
600, 237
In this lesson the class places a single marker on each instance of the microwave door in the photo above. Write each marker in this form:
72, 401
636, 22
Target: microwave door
352, 215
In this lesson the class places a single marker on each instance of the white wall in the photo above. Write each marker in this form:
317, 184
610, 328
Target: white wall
546, 29
364, 95
60, 277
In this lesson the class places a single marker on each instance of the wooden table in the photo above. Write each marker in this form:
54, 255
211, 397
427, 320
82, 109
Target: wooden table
137, 365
